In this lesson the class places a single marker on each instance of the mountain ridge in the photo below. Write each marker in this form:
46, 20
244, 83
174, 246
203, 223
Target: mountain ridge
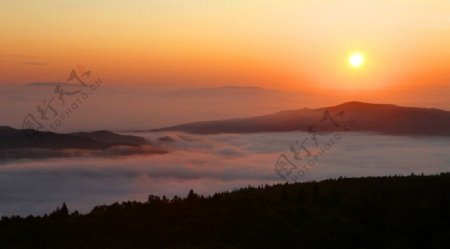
32, 144
49, 84
383, 118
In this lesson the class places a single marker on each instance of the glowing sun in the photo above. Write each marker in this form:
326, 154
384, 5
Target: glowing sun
356, 60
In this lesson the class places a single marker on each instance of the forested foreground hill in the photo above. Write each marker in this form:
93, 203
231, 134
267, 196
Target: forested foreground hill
378, 212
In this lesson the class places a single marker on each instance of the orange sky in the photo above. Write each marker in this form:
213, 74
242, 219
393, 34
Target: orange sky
283, 44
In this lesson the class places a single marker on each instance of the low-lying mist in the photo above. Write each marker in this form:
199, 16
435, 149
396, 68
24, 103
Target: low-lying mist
207, 164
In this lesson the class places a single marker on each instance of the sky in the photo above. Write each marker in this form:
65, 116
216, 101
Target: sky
283, 44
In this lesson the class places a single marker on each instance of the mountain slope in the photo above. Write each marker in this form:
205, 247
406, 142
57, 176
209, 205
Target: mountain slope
384, 118
372, 213
112, 138
31, 144
11, 138
49, 84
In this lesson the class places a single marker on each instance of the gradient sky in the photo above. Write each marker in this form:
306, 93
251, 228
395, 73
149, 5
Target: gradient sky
283, 44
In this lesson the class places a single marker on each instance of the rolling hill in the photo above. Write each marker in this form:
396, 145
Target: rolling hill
353, 116
21, 144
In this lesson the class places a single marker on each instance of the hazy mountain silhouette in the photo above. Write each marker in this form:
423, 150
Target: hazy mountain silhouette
49, 84
16, 144
112, 138
5, 130
225, 90
11, 138
384, 118
15, 138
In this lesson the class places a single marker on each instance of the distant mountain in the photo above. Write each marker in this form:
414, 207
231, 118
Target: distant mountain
221, 91
17, 144
384, 118
112, 138
11, 138
50, 84
4, 130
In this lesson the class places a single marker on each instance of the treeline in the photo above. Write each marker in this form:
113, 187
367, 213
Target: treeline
372, 212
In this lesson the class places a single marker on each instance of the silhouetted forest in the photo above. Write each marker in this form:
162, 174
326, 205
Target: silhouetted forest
374, 212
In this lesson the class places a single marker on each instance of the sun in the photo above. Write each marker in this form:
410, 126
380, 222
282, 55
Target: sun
356, 60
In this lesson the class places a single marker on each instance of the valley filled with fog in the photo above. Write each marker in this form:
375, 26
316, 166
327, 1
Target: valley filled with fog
208, 164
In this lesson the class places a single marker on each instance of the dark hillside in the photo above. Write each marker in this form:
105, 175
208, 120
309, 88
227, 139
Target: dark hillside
378, 212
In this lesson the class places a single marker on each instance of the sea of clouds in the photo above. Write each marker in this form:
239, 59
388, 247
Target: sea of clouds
207, 164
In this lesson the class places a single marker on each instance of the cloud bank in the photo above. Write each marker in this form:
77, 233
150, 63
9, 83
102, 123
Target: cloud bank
207, 164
